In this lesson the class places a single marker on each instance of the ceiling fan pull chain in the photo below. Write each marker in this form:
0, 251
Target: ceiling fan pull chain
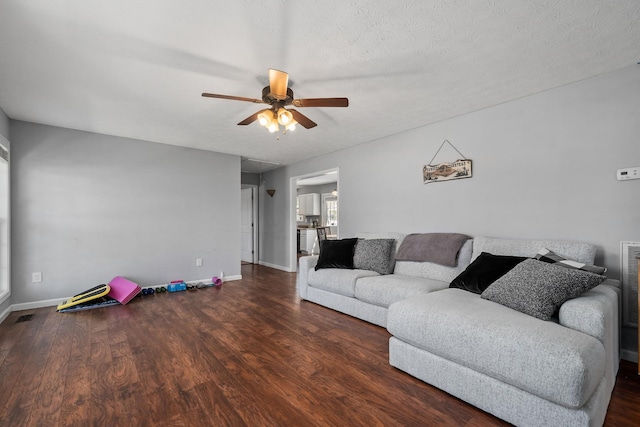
441, 145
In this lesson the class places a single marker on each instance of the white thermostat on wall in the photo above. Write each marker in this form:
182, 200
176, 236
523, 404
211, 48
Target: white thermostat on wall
628, 173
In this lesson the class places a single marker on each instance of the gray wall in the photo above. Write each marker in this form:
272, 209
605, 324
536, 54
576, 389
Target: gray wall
544, 166
249, 178
89, 207
4, 124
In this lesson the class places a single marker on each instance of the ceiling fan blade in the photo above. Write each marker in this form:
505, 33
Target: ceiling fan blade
321, 102
233, 98
304, 121
278, 82
252, 118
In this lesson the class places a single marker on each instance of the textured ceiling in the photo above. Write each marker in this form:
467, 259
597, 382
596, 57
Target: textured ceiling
136, 68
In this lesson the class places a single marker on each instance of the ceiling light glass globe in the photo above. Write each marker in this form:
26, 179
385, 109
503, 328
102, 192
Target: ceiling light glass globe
265, 117
284, 116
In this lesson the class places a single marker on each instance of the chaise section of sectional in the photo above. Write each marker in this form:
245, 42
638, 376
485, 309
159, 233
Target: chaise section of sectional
542, 358
527, 371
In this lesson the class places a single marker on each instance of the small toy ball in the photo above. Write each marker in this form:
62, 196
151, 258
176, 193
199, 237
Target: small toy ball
217, 282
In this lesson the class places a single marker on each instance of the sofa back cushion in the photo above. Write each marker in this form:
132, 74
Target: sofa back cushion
429, 270
577, 251
336, 254
398, 237
375, 255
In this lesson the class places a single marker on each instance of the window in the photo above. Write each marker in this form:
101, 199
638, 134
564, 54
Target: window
330, 210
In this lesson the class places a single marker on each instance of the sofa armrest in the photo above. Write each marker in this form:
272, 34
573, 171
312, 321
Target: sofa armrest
596, 313
306, 264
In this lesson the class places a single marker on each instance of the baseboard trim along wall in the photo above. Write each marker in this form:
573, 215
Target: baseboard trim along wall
37, 304
277, 267
5, 314
628, 355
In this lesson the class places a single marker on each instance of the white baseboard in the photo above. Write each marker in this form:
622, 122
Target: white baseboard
207, 281
277, 267
5, 314
37, 304
628, 355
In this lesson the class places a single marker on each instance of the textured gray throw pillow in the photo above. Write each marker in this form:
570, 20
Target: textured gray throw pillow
374, 255
539, 289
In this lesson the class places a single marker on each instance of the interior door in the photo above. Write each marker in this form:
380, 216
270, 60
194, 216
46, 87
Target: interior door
246, 225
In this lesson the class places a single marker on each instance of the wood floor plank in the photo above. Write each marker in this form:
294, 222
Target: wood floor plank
50, 394
20, 402
19, 345
247, 354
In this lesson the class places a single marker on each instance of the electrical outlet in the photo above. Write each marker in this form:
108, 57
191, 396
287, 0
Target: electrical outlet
198, 262
36, 277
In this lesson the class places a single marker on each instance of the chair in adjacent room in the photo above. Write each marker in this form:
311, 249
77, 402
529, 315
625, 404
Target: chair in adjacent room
322, 233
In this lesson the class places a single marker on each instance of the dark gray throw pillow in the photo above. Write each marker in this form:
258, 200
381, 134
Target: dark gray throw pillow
484, 270
374, 255
336, 253
539, 289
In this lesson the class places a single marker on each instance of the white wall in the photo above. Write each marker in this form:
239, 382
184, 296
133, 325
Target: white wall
543, 167
89, 207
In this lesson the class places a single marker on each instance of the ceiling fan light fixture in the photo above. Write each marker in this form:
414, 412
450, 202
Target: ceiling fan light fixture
277, 95
265, 117
273, 125
284, 116
291, 126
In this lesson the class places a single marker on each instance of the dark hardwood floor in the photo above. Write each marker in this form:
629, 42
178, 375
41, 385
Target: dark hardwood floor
248, 354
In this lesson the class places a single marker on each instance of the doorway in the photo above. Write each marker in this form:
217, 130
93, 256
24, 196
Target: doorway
324, 184
248, 225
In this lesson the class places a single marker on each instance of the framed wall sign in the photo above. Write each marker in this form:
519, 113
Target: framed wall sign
461, 168
439, 172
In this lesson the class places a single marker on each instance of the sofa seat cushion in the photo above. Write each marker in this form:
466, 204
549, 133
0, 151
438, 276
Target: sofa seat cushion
543, 358
385, 290
337, 280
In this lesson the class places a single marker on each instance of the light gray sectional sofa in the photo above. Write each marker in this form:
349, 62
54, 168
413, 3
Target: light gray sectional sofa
524, 370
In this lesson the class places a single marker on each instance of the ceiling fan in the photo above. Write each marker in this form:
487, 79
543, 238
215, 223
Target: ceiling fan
278, 95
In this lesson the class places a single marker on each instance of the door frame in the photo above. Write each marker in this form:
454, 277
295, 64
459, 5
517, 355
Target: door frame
256, 223
293, 220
